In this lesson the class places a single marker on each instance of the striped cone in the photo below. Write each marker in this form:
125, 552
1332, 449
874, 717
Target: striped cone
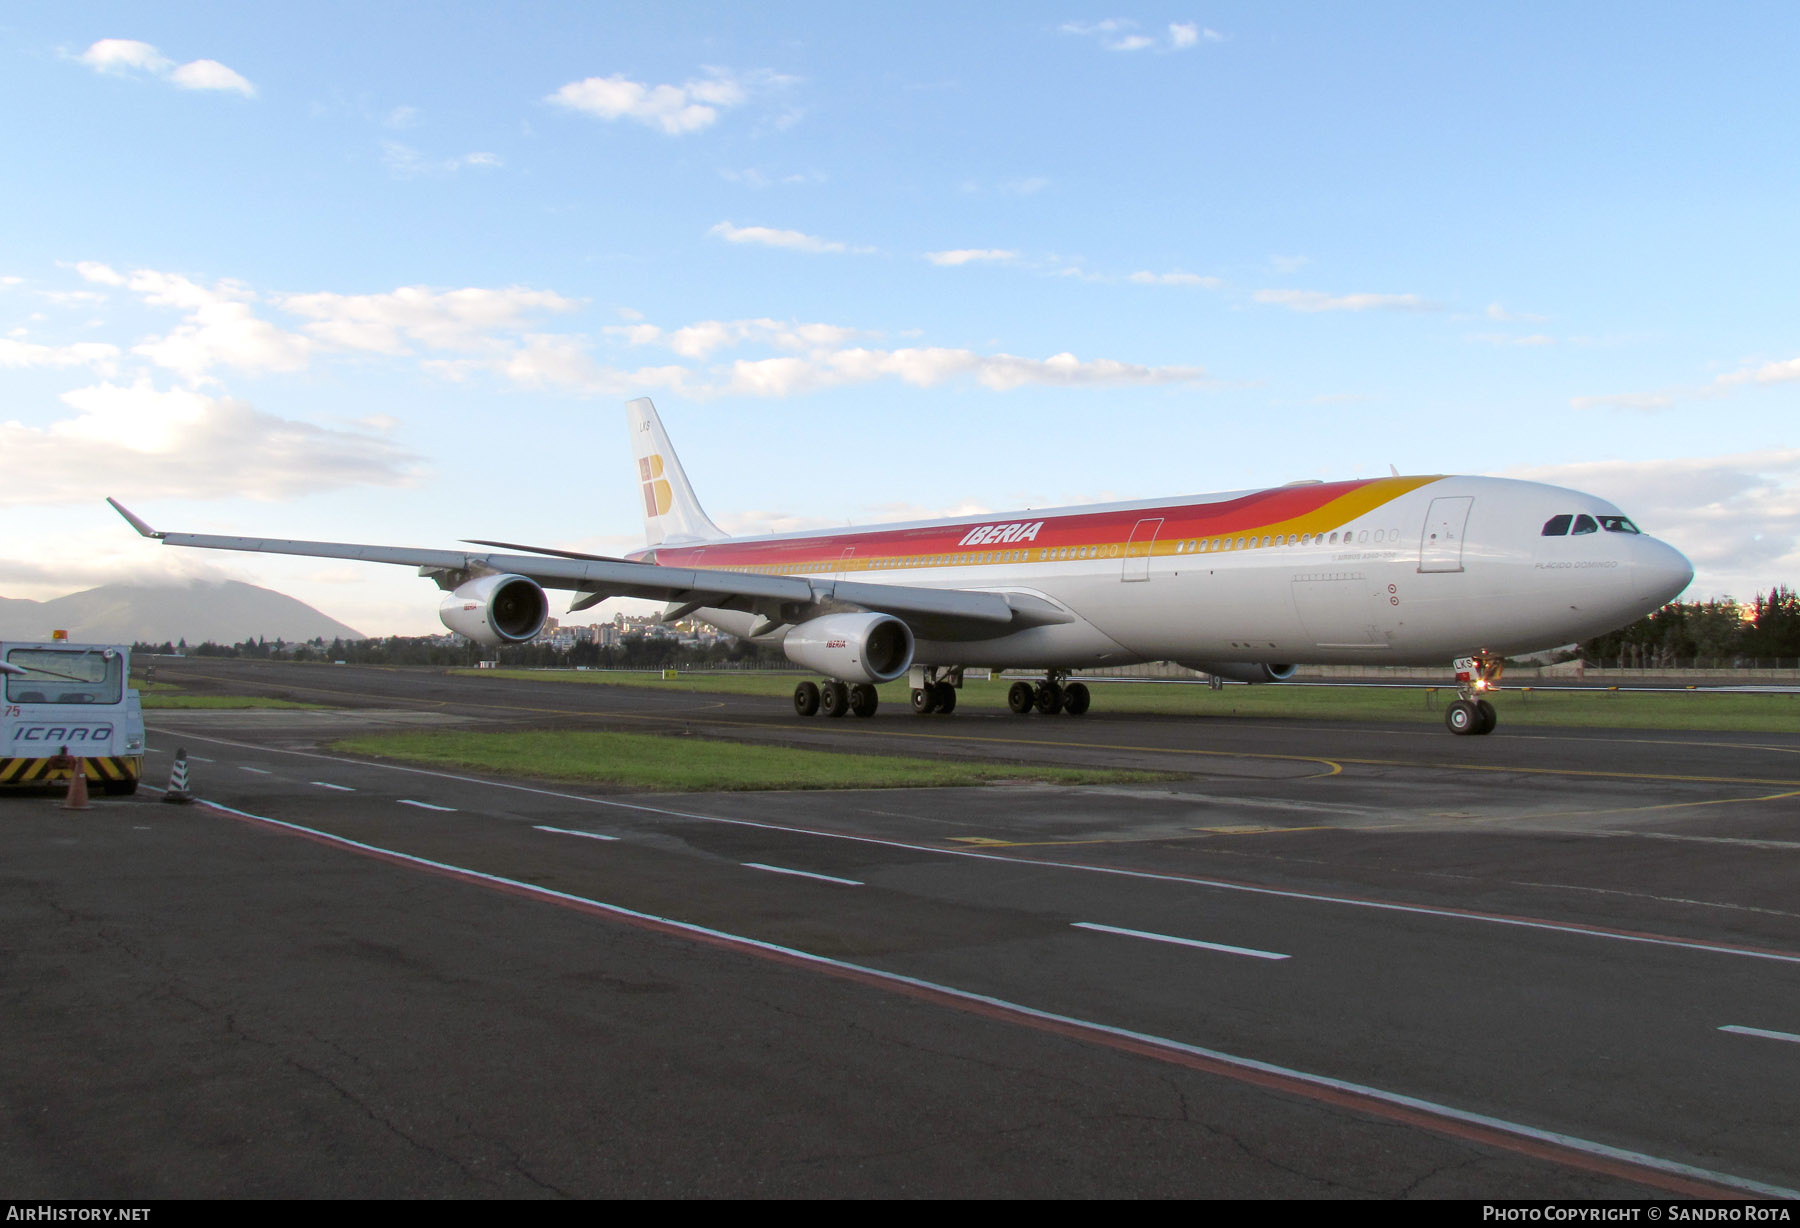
178, 790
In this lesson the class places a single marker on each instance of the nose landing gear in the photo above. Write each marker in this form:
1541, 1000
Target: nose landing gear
1471, 714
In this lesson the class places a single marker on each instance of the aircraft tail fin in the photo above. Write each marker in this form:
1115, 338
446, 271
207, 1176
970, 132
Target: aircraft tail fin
671, 512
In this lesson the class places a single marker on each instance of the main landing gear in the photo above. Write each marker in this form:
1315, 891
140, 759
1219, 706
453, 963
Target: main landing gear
936, 693
1470, 714
1049, 696
834, 698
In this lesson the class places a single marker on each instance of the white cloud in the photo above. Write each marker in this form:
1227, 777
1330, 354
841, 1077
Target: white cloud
463, 319
93, 270
675, 109
925, 367
1532, 339
970, 255
1315, 300
221, 329
116, 55
183, 444
1737, 517
1761, 375
211, 75
1625, 400
820, 356
769, 237
1175, 279
86, 353
1767, 373
405, 162
1116, 34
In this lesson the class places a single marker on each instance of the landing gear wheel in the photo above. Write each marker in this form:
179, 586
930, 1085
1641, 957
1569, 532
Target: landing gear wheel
1462, 717
1489, 717
1049, 699
806, 698
834, 699
924, 700
945, 697
1020, 698
1076, 698
863, 700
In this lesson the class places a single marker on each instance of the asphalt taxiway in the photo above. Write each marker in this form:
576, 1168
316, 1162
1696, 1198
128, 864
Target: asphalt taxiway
1329, 959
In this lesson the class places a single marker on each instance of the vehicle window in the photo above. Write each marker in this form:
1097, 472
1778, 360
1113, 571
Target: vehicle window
1618, 524
1557, 526
55, 676
1584, 524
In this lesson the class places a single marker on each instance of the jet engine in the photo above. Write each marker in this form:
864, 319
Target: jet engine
852, 647
1243, 671
495, 610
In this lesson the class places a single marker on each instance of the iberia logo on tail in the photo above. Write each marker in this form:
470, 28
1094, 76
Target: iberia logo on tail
657, 496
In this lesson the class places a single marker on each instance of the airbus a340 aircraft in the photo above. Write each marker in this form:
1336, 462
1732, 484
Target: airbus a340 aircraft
1384, 571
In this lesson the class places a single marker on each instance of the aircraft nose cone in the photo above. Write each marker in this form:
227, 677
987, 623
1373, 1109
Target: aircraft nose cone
1660, 571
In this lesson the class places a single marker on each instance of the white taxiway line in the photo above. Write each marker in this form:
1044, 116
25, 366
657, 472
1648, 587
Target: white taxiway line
1500, 1125
326, 784
1586, 931
407, 801
824, 878
258, 771
567, 831
1763, 1032
1181, 942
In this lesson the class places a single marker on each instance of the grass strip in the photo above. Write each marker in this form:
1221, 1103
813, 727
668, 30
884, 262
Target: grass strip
658, 763
220, 701
1696, 711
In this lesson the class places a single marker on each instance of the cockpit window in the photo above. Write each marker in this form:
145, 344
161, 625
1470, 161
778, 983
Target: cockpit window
1557, 526
1618, 524
1584, 524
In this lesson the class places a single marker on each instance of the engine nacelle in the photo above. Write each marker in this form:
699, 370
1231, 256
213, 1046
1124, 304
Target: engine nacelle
852, 647
1243, 671
496, 610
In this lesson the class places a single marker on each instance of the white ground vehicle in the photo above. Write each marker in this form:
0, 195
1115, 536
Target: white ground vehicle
60, 696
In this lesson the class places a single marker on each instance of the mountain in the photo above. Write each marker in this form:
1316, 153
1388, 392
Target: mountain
225, 612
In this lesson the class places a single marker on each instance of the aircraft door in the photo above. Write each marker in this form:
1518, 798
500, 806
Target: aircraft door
1137, 550
1441, 541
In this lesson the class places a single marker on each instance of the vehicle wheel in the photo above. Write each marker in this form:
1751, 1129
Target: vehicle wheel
1020, 698
834, 699
1076, 698
924, 700
1049, 699
1462, 717
1489, 717
119, 788
945, 694
863, 700
806, 698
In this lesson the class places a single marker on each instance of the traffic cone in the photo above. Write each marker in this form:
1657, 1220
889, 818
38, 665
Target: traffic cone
77, 798
178, 790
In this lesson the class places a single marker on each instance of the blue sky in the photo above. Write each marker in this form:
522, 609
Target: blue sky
387, 273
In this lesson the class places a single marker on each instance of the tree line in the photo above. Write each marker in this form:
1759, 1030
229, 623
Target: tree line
631, 652
1720, 632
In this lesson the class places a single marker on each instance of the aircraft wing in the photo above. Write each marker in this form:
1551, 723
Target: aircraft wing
937, 613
